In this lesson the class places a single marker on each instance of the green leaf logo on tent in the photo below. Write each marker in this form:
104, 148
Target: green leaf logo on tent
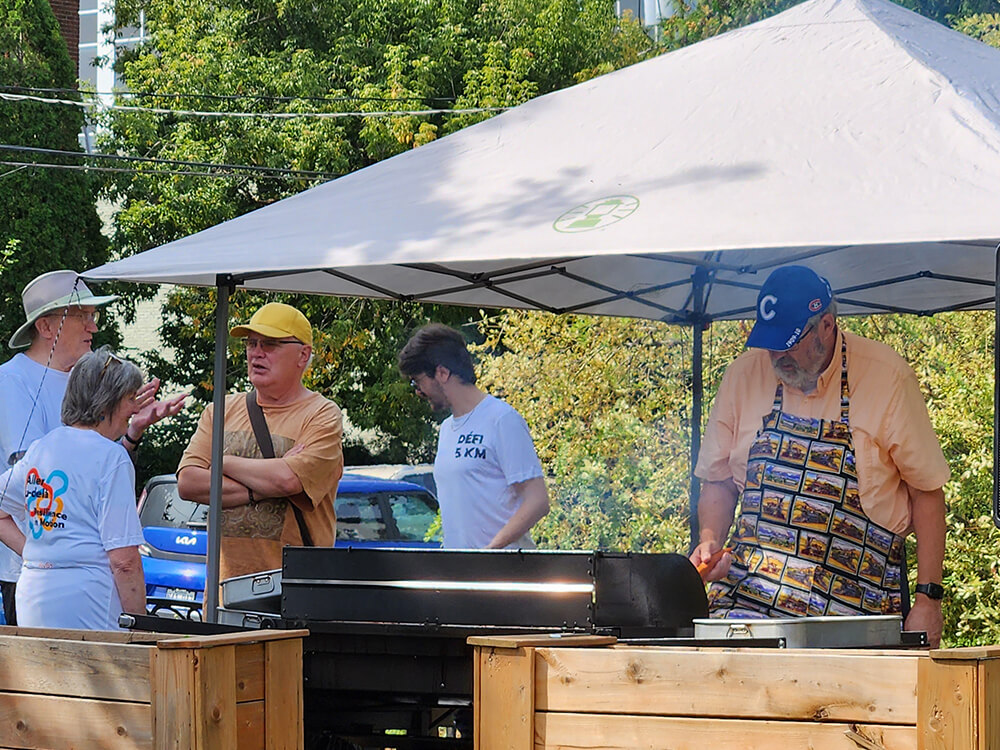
597, 214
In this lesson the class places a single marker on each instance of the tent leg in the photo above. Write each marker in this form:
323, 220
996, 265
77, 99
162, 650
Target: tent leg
996, 389
699, 280
697, 396
224, 288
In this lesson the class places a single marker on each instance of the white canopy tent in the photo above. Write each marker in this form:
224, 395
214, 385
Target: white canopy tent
851, 135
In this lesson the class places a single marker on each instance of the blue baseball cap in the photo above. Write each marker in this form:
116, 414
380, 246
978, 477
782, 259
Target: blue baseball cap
790, 296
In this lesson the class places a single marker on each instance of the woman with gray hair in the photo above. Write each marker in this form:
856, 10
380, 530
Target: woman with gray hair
74, 493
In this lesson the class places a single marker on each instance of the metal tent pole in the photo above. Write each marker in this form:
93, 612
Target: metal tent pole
996, 388
698, 281
223, 288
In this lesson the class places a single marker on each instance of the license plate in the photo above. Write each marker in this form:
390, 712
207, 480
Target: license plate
185, 595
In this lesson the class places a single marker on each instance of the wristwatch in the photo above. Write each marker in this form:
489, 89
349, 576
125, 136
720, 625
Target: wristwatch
931, 590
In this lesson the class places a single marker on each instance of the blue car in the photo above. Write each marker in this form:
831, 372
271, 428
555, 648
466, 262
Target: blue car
371, 512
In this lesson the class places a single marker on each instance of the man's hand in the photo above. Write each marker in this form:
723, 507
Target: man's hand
150, 411
703, 553
925, 615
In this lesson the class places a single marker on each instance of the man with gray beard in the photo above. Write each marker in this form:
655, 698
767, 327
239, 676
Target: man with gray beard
820, 447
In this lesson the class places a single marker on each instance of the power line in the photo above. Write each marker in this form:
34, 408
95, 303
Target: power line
229, 97
174, 162
249, 115
144, 172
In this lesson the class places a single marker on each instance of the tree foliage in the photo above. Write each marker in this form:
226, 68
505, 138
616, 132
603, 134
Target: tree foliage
354, 354
48, 218
359, 56
606, 401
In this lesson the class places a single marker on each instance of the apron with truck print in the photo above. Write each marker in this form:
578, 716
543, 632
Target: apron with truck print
802, 544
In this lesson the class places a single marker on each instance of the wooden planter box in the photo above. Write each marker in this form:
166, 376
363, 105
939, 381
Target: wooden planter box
585, 693
65, 689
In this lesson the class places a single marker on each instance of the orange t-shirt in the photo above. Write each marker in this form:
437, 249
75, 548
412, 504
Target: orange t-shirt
253, 535
894, 442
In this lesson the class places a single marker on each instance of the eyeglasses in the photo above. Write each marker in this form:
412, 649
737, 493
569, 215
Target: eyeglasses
91, 316
797, 344
268, 346
111, 358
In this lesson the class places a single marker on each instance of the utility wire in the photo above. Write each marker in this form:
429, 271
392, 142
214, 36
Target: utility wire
173, 162
144, 172
229, 97
249, 115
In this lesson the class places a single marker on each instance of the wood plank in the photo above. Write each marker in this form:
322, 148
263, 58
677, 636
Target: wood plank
618, 732
971, 652
215, 678
103, 636
506, 694
283, 705
250, 672
550, 639
35, 721
478, 655
80, 669
175, 701
250, 725
989, 705
917, 653
779, 684
231, 639
947, 703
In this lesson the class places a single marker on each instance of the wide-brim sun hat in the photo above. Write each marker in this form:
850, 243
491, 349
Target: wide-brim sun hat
276, 320
53, 291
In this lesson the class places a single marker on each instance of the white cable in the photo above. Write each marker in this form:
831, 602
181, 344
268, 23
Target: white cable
260, 115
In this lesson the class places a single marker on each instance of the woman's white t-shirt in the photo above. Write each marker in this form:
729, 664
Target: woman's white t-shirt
74, 495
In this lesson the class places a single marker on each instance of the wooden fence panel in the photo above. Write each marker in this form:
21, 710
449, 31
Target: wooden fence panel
624, 732
758, 683
55, 723
115, 671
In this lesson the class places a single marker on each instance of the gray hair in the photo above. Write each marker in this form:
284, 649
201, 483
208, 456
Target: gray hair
97, 384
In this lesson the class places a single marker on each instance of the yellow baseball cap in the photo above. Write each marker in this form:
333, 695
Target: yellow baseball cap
276, 321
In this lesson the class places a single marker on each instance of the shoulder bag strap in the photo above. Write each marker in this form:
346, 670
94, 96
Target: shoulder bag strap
263, 435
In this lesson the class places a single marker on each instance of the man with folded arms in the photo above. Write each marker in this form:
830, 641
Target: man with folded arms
268, 503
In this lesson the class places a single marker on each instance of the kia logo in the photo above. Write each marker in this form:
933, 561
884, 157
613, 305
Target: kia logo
186, 540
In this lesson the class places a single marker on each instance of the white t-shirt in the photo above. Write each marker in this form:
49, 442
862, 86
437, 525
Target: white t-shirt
21, 425
75, 491
479, 456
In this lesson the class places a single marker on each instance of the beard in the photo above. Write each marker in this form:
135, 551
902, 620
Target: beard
803, 377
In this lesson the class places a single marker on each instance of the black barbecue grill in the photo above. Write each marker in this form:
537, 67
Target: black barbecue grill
388, 651
481, 591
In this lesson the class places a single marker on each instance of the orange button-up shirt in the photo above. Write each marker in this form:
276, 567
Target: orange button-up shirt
894, 442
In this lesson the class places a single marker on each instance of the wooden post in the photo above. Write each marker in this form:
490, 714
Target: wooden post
283, 702
958, 699
505, 684
208, 695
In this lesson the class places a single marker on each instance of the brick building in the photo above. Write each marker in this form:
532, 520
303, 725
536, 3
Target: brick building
67, 13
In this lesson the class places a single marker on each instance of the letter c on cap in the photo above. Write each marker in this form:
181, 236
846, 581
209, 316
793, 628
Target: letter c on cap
766, 307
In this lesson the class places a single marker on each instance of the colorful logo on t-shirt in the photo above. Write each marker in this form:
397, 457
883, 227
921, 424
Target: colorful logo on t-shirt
43, 501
